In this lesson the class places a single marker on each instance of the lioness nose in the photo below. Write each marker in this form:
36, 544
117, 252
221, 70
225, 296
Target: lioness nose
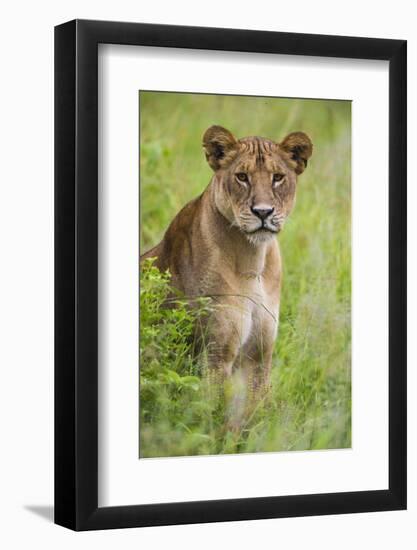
262, 211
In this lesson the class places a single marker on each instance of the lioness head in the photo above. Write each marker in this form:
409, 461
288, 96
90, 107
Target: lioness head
255, 178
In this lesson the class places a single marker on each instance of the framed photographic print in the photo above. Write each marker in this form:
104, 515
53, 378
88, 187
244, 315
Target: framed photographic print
230, 337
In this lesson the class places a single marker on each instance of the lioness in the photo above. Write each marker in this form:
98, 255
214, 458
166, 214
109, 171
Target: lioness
222, 244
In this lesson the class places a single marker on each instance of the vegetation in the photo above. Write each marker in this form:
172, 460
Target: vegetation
309, 407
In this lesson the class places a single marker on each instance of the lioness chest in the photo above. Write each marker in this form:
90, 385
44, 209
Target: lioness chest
246, 300
259, 310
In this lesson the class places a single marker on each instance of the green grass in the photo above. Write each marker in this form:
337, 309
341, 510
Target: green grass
310, 402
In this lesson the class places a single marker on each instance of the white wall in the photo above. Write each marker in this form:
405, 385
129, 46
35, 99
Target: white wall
26, 289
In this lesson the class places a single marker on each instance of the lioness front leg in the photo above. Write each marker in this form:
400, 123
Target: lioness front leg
257, 356
227, 332
257, 368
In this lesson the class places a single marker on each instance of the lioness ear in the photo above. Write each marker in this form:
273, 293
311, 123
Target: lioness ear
219, 146
299, 146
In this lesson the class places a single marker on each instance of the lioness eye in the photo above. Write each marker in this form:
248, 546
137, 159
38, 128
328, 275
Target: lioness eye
242, 177
277, 178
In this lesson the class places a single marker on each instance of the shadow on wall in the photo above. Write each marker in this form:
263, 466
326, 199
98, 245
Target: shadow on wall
45, 512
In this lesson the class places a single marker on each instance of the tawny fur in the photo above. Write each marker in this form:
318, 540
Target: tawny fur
215, 246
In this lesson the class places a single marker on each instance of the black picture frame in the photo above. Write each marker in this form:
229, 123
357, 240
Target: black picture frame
76, 272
